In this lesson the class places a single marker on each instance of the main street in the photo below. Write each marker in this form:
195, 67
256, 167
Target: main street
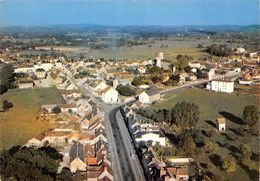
125, 167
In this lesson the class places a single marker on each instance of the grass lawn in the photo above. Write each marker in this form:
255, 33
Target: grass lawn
16, 125
211, 104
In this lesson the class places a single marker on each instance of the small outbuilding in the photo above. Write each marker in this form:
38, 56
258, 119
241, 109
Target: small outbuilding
221, 124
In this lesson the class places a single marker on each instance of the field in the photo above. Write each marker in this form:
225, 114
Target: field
16, 125
144, 52
174, 47
213, 105
210, 103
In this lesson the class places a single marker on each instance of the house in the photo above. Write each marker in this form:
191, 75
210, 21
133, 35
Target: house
149, 96
77, 158
56, 79
144, 98
221, 124
154, 137
68, 107
100, 86
6, 59
221, 85
109, 95
24, 84
40, 73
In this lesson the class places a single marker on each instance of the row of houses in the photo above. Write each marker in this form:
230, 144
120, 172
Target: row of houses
79, 135
146, 135
142, 131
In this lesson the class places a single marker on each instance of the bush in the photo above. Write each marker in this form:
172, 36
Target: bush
229, 164
245, 151
209, 147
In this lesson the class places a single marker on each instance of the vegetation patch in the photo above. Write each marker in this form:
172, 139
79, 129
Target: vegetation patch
16, 124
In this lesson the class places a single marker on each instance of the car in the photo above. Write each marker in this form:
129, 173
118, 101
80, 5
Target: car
132, 155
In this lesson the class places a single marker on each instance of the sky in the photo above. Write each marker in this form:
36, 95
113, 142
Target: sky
129, 12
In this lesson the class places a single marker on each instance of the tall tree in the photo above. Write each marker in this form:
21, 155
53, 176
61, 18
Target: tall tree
250, 115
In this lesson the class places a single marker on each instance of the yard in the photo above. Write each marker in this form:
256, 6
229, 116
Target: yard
16, 125
213, 105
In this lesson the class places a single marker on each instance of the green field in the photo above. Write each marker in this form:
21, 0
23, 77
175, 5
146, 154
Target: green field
144, 52
16, 125
211, 104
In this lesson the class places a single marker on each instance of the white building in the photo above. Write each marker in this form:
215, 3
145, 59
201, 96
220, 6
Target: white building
159, 59
149, 96
109, 95
154, 137
225, 86
144, 98
221, 124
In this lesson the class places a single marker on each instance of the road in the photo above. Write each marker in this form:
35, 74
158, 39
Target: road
130, 166
125, 167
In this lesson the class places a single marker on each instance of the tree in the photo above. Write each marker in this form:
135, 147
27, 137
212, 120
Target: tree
56, 110
7, 105
185, 115
209, 147
139, 80
186, 144
245, 151
125, 90
250, 115
228, 164
201, 74
155, 70
219, 50
182, 61
27, 164
6, 77
64, 175
198, 137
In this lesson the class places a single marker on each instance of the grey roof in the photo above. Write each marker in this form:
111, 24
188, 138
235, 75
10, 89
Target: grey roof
152, 92
77, 151
139, 134
99, 144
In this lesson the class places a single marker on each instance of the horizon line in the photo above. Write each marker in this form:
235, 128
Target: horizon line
117, 25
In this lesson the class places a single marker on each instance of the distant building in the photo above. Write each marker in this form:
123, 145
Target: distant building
159, 59
40, 73
222, 85
25, 84
221, 124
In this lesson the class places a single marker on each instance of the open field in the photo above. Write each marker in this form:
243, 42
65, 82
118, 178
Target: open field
211, 105
144, 52
16, 125
174, 47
